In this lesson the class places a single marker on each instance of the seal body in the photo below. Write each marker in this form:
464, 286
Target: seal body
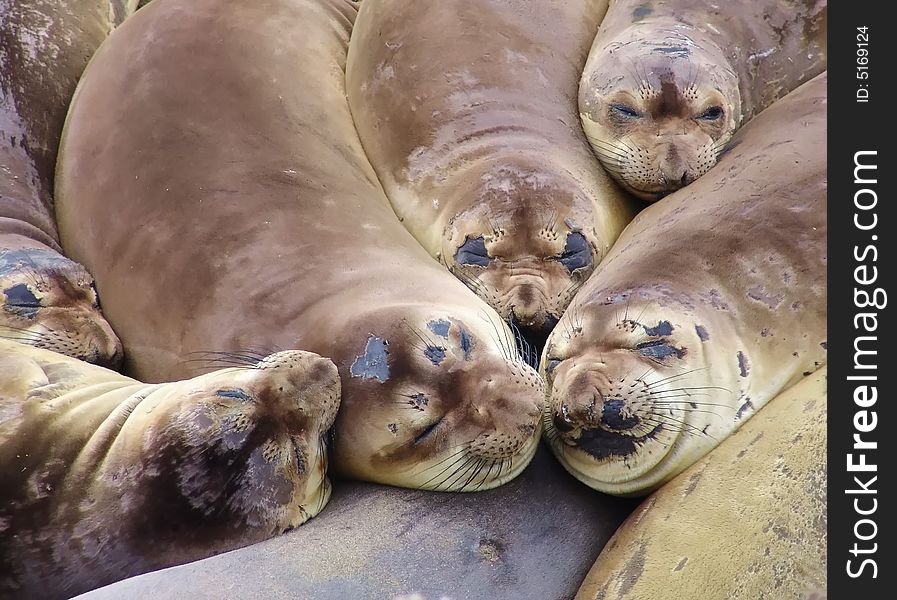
104, 477
467, 111
747, 521
517, 542
710, 304
668, 82
45, 299
234, 209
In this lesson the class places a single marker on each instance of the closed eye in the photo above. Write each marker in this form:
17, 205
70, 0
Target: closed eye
625, 111
473, 252
426, 432
711, 114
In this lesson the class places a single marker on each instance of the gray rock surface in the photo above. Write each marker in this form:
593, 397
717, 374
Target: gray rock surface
534, 538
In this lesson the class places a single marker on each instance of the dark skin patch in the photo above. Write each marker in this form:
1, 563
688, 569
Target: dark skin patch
702, 332
663, 328
439, 327
744, 407
642, 11
22, 301
473, 252
576, 254
373, 363
420, 400
602, 444
238, 394
744, 365
466, 343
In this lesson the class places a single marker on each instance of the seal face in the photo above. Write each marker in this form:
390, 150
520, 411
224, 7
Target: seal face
49, 301
627, 393
656, 116
525, 261
667, 84
450, 404
770, 474
666, 350
105, 477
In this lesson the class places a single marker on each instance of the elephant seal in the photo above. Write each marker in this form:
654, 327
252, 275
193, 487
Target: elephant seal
45, 299
710, 304
104, 477
517, 542
747, 521
668, 82
467, 112
232, 141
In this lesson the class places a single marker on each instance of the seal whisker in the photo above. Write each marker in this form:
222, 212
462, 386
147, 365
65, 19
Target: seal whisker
476, 471
650, 384
443, 461
468, 460
472, 463
687, 408
488, 473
